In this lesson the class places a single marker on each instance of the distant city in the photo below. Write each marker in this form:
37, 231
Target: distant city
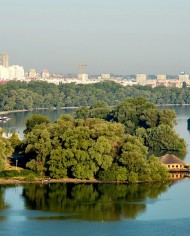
17, 73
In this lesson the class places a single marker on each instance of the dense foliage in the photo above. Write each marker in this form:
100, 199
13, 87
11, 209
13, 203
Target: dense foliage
153, 126
17, 95
113, 148
6, 150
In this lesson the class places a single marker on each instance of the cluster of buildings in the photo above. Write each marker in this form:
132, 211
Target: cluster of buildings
17, 73
9, 72
162, 80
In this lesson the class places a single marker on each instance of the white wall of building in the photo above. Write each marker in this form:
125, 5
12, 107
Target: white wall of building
11, 72
83, 77
141, 79
184, 78
4, 73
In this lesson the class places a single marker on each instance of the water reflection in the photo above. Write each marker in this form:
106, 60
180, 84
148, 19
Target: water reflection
92, 202
18, 119
3, 204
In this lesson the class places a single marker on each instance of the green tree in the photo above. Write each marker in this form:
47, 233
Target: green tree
35, 119
133, 157
5, 150
15, 140
114, 173
38, 148
164, 138
158, 171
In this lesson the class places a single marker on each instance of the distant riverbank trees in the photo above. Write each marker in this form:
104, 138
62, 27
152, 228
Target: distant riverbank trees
113, 148
17, 95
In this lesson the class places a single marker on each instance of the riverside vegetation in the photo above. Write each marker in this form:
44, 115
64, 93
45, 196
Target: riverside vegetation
17, 95
102, 142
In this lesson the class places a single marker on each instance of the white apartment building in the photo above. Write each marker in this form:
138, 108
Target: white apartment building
83, 77
16, 72
11, 72
45, 74
141, 79
4, 73
183, 78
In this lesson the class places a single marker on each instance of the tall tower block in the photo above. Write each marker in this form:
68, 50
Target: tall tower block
4, 60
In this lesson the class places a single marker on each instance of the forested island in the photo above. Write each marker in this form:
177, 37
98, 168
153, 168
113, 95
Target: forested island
17, 95
99, 142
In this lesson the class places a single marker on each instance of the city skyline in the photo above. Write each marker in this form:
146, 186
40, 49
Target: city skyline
4, 64
120, 37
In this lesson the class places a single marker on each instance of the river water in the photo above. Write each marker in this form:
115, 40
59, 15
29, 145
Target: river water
96, 209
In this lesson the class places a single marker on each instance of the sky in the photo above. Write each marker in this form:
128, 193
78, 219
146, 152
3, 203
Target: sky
110, 36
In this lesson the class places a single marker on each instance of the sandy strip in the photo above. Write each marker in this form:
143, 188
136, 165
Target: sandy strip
45, 180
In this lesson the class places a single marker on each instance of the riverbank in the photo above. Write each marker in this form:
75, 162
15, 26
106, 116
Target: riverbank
73, 108
21, 180
37, 109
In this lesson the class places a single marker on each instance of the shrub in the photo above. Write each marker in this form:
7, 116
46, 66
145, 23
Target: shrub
9, 173
27, 172
30, 177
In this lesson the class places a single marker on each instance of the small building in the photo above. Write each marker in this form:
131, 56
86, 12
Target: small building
173, 163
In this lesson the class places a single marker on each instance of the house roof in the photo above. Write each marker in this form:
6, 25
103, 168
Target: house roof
170, 159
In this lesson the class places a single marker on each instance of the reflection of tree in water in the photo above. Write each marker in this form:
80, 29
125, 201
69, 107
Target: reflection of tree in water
188, 124
92, 201
3, 204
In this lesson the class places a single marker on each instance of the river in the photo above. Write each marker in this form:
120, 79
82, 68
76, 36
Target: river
96, 209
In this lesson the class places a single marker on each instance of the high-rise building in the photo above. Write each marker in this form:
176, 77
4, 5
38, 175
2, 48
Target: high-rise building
141, 79
4, 73
83, 77
4, 60
12, 72
183, 77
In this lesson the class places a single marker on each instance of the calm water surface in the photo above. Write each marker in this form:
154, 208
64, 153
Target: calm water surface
96, 209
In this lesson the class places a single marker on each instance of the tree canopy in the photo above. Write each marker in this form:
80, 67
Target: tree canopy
17, 95
6, 150
114, 147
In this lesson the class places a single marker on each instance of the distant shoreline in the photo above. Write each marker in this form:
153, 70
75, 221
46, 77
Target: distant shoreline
72, 108
36, 109
174, 105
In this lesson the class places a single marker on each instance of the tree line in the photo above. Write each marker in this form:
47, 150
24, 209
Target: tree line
17, 95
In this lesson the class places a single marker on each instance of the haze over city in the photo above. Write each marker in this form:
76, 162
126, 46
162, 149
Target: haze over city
121, 37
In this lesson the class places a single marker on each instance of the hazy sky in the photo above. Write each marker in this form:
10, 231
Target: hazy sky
110, 36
